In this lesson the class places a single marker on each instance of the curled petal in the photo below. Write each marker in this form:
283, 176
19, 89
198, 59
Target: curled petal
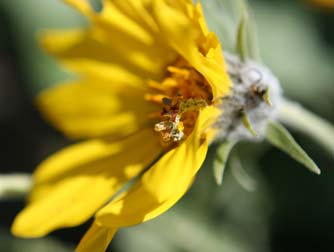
164, 183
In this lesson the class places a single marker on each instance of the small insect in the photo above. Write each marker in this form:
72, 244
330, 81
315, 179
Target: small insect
192, 104
171, 130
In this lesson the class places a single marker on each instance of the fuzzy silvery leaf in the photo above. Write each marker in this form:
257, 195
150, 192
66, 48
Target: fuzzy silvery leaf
252, 38
242, 41
247, 44
223, 18
278, 136
295, 116
219, 164
241, 175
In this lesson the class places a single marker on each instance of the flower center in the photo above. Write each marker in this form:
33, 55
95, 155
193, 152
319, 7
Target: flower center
181, 94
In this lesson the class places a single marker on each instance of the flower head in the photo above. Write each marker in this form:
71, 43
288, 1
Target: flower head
151, 78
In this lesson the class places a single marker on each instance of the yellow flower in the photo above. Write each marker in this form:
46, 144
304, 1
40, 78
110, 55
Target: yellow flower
151, 75
325, 4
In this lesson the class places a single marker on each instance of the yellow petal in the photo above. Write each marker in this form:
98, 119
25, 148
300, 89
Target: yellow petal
139, 11
215, 73
186, 33
326, 4
93, 108
96, 239
74, 183
142, 39
116, 18
68, 203
83, 51
175, 27
81, 5
164, 183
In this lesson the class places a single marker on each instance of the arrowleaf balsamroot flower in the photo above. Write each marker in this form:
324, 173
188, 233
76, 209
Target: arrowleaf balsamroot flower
151, 78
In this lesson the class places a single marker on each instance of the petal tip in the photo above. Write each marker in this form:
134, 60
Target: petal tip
21, 228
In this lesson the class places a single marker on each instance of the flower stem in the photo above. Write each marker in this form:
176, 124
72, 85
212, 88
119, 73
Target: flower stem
15, 185
295, 116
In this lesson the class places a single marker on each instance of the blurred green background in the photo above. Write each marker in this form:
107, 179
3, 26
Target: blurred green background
282, 207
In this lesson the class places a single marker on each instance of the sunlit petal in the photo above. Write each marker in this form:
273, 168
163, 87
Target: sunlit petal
96, 239
81, 109
72, 184
164, 183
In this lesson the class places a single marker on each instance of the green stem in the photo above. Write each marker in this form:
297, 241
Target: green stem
297, 117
